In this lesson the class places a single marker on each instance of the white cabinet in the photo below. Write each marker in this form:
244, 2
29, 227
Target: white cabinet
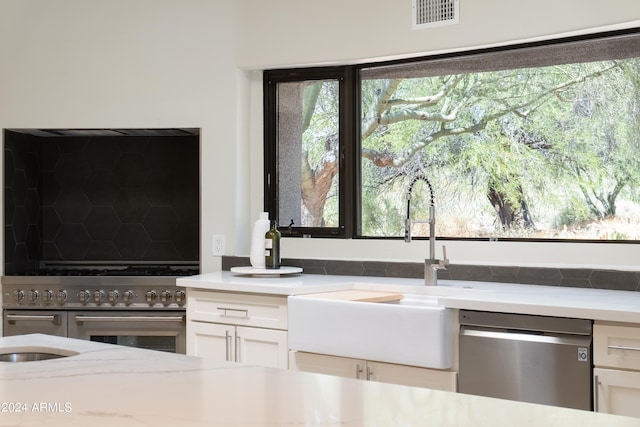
373, 371
412, 376
253, 346
249, 329
616, 356
617, 392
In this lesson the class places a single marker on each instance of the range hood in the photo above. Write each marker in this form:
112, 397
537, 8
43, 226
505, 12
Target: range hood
118, 196
108, 132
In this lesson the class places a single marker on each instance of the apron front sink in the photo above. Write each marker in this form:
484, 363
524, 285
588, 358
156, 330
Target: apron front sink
415, 331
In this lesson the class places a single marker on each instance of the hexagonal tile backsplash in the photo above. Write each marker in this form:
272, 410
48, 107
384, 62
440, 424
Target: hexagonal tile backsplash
116, 199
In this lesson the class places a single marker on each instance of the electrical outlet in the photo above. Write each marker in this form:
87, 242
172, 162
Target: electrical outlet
218, 245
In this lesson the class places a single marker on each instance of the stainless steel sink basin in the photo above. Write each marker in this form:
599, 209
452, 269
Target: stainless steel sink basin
28, 357
33, 354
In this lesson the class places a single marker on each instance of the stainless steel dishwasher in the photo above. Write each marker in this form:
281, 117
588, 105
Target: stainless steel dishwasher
527, 358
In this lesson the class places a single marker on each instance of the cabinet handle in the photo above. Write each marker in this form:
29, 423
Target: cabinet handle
596, 385
228, 312
623, 347
227, 337
358, 371
237, 348
369, 373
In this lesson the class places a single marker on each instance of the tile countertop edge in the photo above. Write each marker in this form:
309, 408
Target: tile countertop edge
594, 304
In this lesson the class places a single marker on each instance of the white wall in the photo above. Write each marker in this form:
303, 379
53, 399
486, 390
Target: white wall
282, 33
196, 63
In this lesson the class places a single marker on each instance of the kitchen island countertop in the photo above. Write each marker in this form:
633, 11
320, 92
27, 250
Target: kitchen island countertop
106, 385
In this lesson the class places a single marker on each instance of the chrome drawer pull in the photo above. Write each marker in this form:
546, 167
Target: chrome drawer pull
226, 312
623, 347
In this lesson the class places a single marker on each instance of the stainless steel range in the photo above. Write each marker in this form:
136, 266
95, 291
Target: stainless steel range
135, 305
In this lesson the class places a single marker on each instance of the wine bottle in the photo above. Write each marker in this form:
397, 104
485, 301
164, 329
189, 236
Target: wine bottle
272, 247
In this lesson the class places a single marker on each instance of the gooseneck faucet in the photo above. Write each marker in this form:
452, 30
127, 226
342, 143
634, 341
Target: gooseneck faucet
431, 265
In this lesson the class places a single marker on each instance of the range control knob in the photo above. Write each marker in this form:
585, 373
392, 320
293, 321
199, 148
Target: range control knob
98, 296
84, 296
180, 297
165, 297
113, 296
32, 295
61, 296
151, 296
18, 295
128, 296
47, 296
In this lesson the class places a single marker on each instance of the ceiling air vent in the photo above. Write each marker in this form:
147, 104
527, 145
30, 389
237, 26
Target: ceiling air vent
434, 13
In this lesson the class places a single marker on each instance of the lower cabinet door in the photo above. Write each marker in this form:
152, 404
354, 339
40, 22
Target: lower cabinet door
330, 365
373, 371
210, 340
251, 346
412, 376
617, 392
261, 347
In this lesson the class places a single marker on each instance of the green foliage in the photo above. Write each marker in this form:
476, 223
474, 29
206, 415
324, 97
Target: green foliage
557, 143
558, 147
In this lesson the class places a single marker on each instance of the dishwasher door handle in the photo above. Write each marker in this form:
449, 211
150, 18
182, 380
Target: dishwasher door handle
524, 336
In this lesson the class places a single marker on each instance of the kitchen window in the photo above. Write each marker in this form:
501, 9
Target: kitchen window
527, 142
309, 143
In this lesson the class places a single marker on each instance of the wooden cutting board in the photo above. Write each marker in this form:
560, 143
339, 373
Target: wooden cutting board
358, 295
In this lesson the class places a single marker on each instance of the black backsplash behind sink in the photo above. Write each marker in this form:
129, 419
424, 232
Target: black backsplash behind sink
568, 277
99, 198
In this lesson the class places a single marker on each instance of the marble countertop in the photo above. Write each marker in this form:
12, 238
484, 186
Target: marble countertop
596, 304
107, 385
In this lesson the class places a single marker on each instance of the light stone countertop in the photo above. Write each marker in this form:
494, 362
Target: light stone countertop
595, 304
107, 385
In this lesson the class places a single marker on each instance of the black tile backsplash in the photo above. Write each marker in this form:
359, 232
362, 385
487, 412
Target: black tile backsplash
100, 198
578, 277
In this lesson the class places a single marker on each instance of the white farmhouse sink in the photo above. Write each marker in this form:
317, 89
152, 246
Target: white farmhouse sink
413, 331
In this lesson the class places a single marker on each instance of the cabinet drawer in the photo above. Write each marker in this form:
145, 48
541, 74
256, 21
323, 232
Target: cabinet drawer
236, 309
616, 345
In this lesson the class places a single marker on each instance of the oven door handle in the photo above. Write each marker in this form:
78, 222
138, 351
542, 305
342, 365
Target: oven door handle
82, 319
53, 318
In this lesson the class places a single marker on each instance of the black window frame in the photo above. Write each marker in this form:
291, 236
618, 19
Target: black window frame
345, 76
350, 131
